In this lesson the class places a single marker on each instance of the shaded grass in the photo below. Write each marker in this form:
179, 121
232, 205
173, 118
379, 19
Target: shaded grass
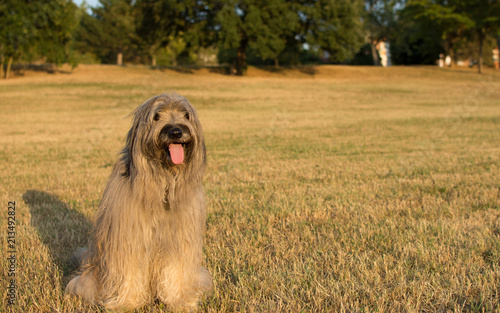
353, 189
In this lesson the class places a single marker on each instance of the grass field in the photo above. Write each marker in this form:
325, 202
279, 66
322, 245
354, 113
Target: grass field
330, 189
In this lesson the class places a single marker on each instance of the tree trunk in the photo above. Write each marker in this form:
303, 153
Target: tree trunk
7, 71
376, 59
153, 61
480, 61
119, 59
276, 62
241, 57
1, 65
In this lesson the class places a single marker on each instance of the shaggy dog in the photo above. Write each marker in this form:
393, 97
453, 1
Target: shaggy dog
147, 239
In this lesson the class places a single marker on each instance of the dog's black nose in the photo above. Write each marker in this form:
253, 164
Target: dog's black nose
175, 133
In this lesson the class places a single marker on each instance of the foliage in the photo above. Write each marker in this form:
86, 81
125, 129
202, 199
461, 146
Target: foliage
109, 30
333, 26
54, 36
418, 41
279, 32
173, 52
364, 56
380, 18
457, 18
269, 28
260, 25
35, 29
16, 27
162, 23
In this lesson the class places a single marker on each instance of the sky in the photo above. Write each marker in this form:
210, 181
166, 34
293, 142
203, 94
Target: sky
91, 3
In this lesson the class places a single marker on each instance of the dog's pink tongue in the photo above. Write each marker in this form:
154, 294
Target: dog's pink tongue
176, 153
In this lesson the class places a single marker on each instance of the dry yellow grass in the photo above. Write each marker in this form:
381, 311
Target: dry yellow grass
329, 189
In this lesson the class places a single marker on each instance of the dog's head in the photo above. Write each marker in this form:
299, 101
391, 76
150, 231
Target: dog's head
167, 132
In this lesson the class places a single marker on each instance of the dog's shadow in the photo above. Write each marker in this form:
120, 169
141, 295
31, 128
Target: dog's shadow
62, 229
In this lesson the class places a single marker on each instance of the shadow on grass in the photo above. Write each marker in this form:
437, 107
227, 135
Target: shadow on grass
304, 69
227, 70
19, 69
455, 70
309, 70
222, 69
62, 229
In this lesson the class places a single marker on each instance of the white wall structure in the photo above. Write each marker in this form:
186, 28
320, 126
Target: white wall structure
384, 52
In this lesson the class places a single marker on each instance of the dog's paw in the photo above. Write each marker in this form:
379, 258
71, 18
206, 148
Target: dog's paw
83, 286
205, 281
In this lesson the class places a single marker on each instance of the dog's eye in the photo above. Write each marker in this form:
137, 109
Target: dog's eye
157, 117
186, 116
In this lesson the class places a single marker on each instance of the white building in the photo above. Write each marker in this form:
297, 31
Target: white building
384, 52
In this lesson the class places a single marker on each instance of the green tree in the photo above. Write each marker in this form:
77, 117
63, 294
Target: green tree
334, 26
261, 25
110, 31
271, 28
55, 22
380, 17
163, 24
477, 19
484, 16
416, 41
16, 30
87, 36
31, 29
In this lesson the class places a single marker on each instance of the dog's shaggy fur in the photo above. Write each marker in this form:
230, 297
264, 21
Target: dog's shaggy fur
147, 239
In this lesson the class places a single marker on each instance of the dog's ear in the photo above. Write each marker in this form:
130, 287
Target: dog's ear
140, 119
145, 112
127, 153
193, 117
204, 153
201, 139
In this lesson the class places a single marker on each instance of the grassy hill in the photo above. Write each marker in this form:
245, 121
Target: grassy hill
329, 188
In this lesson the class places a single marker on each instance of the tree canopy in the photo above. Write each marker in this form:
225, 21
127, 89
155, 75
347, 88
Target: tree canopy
473, 19
260, 25
36, 28
239, 32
